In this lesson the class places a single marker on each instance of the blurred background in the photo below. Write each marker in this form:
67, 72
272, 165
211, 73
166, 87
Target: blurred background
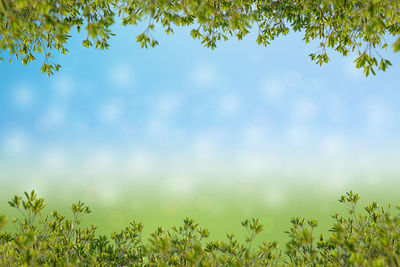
155, 135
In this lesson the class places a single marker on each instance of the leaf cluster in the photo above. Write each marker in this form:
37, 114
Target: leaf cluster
42, 26
359, 239
371, 238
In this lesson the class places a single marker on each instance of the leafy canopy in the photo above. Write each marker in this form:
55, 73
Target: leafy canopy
28, 28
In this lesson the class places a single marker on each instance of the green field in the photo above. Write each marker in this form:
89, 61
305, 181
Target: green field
219, 208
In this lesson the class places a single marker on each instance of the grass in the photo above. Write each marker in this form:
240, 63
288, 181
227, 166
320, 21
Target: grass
370, 236
218, 209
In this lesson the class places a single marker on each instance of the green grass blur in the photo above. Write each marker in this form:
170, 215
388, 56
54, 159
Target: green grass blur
218, 208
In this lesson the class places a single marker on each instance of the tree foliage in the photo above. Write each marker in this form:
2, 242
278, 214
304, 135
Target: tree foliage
42, 26
369, 238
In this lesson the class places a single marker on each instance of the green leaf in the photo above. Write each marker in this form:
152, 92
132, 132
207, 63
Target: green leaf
3, 221
29, 27
396, 45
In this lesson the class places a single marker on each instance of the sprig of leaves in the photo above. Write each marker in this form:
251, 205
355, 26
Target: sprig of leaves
29, 27
371, 238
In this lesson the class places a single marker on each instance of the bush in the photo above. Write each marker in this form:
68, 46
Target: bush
370, 238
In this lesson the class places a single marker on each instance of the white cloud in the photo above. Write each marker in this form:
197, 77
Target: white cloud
63, 86
23, 96
229, 105
155, 126
140, 162
54, 160
255, 133
99, 162
256, 57
253, 162
16, 143
168, 104
113, 110
336, 109
272, 89
332, 145
159, 127
377, 112
122, 76
204, 76
293, 78
52, 119
298, 135
305, 109
205, 147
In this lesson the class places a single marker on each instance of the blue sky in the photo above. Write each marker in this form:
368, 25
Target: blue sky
241, 107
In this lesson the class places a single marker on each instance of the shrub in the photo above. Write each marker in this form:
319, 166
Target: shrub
359, 239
